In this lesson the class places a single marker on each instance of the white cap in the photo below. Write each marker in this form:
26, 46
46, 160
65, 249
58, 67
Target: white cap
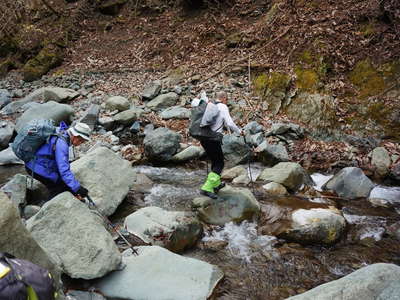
82, 130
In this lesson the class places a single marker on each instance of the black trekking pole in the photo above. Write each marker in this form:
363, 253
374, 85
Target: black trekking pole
91, 203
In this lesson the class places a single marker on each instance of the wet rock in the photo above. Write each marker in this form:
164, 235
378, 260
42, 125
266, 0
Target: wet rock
117, 103
161, 144
16, 239
6, 133
233, 172
91, 116
80, 295
235, 150
50, 110
75, 238
58, 94
151, 91
377, 281
5, 98
233, 204
106, 186
127, 117
270, 154
350, 183
178, 277
291, 175
16, 190
7, 157
163, 101
381, 161
191, 152
30, 211
316, 225
173, 230
274, 188
175, 112
385, 196
253, 127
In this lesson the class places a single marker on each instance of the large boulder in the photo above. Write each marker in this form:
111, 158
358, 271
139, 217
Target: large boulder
253, 127
158, 274
175, 112
163, 101
290, 174
127, 117
58, 94
350, 183
233, 204
75, 238
16, 190
151, 91
15, 106
270, 154
16, 239
107, 177
316, 225
235, 150
374, 282
191, 152
8, 157
5, 98
50, 110
381, 161
117, 103
6, 133
161, 144
174, 230
385, 196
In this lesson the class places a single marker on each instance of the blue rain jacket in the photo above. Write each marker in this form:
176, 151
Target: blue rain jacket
52, 160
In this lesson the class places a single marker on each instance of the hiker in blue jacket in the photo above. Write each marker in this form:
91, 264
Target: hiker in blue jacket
51, 165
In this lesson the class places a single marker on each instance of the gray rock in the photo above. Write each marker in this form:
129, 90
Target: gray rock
91, 116
36, 191
79, 295
271, 154
253, 127
5, 98
148, 128
16, 239
7, 157
274, 188
127, 117
75, 238
374, 282
161, 144
151, 91
233, 172
16, 190
385, 196
6, 133
350, 183
242, 179
107, 122
142, 184
58, 94
163, 101
289, 130
381, 161
173, 230
191, 152
50, 110
117, 103
175, 112
106, 186
178, 277
255, 140
235, 150
14, 106
30, 211
316, 225
233, 204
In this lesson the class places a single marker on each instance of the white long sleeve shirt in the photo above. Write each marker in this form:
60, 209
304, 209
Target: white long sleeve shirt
224, 118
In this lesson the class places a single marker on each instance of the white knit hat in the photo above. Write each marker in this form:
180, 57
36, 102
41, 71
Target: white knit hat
82, 130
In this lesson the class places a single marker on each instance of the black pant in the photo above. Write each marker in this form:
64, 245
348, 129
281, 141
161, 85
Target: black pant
54, 188
214, 152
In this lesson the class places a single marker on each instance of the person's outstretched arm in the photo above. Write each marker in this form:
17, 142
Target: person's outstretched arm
62, 160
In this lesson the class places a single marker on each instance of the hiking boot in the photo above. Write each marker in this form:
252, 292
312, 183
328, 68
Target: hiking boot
221, 186
209, 194
213, 181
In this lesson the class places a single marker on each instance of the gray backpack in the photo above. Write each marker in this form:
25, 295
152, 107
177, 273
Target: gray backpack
201, 119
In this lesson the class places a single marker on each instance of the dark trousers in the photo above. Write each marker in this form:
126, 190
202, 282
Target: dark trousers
54, 188
214, 152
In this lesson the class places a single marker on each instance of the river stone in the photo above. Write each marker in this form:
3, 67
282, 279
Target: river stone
235, 150
91, 116
8, 157
174, 230
175, 112
191, 152
75, 238
14, 106
117, 103
290, 174
151, 91
158, 274
163, 101
233, 204
374, 282
271, 154
127, 117
350, 183
50, 110
233, 172
16, 190
242, 179
274, 188
80, 295
385, 196
253, 127
16, 239
30, 211
6, 133
161, 144
5, 98
58, 94
107, 186
381, 161
316, 225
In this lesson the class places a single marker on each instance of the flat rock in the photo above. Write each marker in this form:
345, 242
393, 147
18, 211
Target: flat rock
127, 117
117, 103
175, 112
163, 101
191, 152
58, 94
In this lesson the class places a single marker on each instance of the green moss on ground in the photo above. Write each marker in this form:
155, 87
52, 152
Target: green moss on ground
267, 84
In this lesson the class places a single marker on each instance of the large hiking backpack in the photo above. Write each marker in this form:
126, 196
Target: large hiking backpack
21, 278
34, 134
201, 119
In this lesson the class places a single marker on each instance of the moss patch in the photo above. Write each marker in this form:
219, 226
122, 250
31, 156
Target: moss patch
307, 79
271, 83
367, 78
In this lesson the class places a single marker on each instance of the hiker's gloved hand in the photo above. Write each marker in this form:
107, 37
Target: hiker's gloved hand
82, 191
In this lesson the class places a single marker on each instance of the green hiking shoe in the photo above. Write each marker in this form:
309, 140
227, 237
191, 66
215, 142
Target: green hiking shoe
213, 181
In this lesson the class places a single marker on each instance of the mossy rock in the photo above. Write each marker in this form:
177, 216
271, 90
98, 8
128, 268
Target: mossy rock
367, 78
48, 58
110, 7
307, 79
